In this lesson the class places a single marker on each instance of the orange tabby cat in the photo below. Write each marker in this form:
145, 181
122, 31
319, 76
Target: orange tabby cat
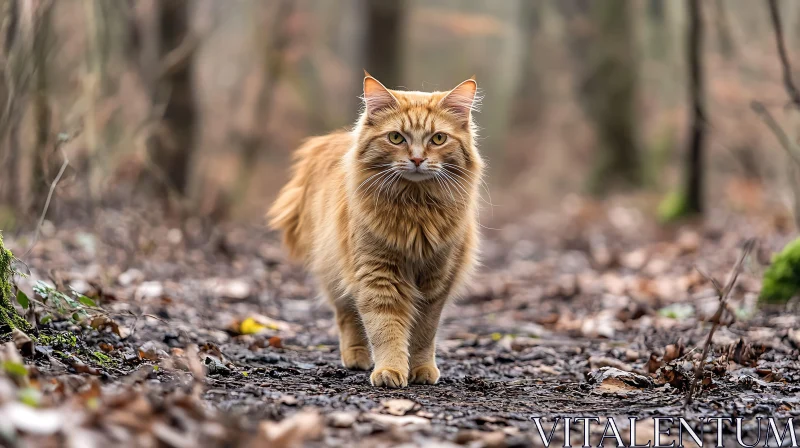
385, 216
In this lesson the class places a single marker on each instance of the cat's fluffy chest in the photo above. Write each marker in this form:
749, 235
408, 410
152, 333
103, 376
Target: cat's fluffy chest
421, 232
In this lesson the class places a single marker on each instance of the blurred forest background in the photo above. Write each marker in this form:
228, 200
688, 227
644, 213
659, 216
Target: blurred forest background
196, 105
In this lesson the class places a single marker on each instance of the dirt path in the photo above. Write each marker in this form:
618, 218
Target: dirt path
554, 304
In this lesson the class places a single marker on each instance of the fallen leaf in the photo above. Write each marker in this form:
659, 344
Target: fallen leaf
23, 342
150, 351
396, 420
31, 420
288, 400
398, 406
340, 419
102, 322
236, 289
276, 342
250, 326
673, 352
613, 380
291, 431
149, 290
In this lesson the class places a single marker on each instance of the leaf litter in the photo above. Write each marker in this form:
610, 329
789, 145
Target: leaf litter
191, 345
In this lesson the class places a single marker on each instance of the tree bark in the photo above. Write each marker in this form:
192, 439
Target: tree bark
9, 153
528, 99
609, 78
385, 31
43, 151
164, 47
723, 28
698, 119
175, 142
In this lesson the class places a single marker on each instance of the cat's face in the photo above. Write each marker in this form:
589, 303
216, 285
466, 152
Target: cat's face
418, 137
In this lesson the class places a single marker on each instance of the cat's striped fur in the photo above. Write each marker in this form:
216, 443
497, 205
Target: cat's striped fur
389, 230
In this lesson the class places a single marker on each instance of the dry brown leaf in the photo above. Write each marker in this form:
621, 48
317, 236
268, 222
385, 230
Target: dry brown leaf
23, 342
398, 406
397, 420
291, 431
342, 419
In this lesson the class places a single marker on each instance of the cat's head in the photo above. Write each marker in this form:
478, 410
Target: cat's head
424, 138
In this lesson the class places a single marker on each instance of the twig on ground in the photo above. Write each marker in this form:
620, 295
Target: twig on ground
716, 319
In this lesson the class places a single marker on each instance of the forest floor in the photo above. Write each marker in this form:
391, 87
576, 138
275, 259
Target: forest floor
208, 336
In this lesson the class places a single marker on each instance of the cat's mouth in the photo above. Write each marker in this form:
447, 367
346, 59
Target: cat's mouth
417, 175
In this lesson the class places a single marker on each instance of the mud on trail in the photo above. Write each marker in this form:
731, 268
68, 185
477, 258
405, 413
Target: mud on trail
210, 337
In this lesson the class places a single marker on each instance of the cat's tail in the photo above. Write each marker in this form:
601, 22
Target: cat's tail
286, 213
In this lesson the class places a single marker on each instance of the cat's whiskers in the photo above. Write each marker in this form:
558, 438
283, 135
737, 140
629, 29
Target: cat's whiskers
375, 181
386, 179
438, 178
483, 183
456, 182
395, 182
461, 190
441, 185
370, 177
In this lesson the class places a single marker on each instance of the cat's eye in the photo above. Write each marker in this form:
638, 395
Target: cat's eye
396, 138
438, 138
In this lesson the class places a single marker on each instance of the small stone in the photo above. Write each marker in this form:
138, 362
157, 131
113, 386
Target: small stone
130, 277
341, 419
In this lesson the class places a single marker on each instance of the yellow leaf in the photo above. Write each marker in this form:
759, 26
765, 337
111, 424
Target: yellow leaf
250, 326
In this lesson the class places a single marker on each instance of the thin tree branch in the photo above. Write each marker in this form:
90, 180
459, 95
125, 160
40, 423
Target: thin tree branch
61, 142
786, 66
787, 143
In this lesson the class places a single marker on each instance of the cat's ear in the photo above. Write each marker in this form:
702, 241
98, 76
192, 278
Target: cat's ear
376, 96
461, 100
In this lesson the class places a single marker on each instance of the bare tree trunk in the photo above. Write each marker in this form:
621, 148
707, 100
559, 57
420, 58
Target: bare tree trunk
175, 140
94, 86
18, 32
44, 157
9, 154
723, 28
528, 99
694, 162
609, 92
165, 48
385, 31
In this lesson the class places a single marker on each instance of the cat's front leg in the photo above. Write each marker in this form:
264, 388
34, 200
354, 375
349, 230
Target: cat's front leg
386, 304
423, 343
353, 343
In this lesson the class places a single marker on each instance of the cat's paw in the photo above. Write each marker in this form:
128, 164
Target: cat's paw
424, 374
388, 378
356, 358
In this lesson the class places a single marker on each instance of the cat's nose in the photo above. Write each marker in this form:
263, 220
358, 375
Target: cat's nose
417, 160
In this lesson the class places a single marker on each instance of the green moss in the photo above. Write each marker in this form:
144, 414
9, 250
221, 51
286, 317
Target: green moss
62, 340
9, 318
782, 279
103, 359
673, 208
